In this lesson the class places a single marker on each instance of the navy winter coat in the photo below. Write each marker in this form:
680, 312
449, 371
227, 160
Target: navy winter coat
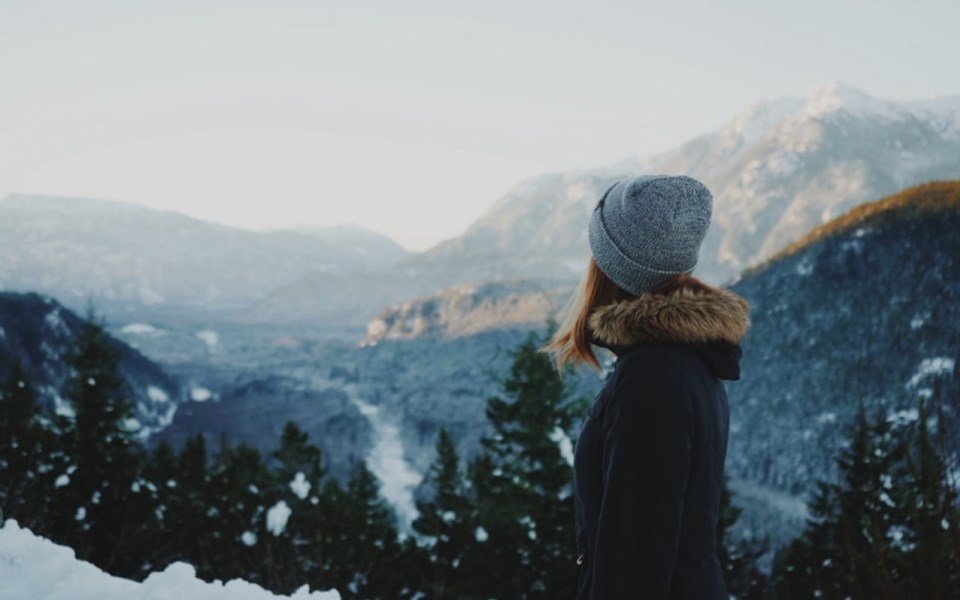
649, 460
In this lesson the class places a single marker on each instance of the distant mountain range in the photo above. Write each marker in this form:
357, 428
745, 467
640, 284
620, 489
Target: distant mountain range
777, 169
120, 253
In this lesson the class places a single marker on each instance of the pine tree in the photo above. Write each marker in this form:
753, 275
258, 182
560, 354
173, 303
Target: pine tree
930, 538
237, 510
867, 537
187, 512
94, 515
30, 456
293, 555
522, 482
738, 558
375, 544
448, 524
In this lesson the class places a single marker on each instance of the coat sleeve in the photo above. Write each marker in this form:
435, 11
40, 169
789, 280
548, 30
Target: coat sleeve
646, 465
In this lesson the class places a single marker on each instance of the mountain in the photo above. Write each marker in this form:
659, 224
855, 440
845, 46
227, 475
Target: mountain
127, 255
538, 229
39, 332
467, 309
864, 308
777, 169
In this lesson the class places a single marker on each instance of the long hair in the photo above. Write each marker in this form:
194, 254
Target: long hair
572, 341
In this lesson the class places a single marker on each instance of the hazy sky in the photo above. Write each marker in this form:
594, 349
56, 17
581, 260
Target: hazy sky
410, 118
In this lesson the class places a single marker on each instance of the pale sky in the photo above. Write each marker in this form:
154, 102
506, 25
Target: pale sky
410, 118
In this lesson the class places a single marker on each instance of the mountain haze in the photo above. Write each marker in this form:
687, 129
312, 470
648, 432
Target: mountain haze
115, 252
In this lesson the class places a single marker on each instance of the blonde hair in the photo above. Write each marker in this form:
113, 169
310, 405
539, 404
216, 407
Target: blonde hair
572, 341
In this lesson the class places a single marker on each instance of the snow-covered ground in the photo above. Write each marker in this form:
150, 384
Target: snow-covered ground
33, 568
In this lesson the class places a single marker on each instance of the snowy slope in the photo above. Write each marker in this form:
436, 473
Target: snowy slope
33, 568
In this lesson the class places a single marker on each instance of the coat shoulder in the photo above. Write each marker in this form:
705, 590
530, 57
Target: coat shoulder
653, 377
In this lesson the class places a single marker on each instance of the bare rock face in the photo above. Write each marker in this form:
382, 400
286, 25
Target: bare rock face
468, 309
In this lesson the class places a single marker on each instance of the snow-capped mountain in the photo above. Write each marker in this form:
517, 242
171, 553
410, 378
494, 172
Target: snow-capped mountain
117, 252
777, 169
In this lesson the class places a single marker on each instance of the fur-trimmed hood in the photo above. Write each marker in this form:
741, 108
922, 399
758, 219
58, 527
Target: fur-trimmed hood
690, 314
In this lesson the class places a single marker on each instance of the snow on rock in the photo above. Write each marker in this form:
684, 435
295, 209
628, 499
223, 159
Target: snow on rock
300, 486
277, 517
940, 365
156, 394
566, 446
481, 534
139, 329
208, 337
63, 407
200, 394
33, 568
903, 417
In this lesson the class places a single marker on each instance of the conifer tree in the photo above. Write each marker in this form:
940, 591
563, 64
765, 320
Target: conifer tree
448, 524
187, 512
862, 540
30, 456
293, 555
930, 538
523, 482
237, 511
738, 558
375, 547
94, 509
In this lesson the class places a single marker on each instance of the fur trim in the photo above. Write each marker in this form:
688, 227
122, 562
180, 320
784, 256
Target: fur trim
685, 314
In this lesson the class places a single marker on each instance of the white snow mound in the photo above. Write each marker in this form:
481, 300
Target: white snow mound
34, 568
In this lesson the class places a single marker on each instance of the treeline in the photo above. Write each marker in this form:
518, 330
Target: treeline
499, 525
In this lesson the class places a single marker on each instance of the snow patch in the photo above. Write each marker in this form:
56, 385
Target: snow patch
200, 394
156, 394
300, 486
932, 367
827, 417
208, 337
33, 568
566, 446
63, 407
903, 417
139, 329
481, 534
277, 517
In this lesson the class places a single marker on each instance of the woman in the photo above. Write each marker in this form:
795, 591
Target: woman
648, 467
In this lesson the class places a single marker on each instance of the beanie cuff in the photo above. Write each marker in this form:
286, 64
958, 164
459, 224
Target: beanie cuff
620, 268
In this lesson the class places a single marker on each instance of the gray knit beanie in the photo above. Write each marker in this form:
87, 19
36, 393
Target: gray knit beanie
647, 229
